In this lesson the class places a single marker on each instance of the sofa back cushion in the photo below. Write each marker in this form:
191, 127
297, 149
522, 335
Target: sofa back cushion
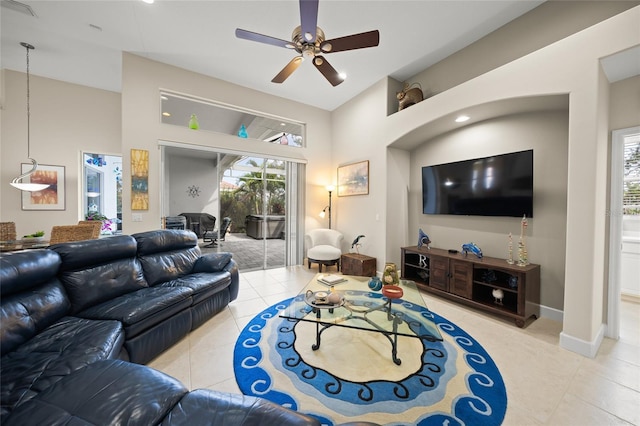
167, 254
94, 271
32, 298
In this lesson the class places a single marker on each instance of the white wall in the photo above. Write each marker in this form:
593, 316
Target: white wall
65, 120
188, 171
142, 81
569, 66
546, 134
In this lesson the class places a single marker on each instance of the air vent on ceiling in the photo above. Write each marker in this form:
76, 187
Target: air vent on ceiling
19, 7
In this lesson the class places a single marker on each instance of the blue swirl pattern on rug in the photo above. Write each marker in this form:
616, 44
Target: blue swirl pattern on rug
484, 402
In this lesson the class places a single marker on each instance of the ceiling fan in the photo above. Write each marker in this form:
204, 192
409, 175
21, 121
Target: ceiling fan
309, 41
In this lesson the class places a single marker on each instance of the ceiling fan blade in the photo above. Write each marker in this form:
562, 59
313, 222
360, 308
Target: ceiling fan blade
260, 38
288, 70
327, 70
309, 19
350, 42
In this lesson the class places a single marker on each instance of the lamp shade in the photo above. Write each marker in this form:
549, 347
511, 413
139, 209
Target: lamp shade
28, 186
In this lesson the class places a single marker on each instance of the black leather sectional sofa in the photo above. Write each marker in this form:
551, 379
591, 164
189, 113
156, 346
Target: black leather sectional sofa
78, 320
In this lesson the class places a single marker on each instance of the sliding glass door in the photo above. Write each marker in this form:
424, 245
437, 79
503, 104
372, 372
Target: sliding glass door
256, 202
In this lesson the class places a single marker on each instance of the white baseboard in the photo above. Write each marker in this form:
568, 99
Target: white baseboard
582, 347
551, 313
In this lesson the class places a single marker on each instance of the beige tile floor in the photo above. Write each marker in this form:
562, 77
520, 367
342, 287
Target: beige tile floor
546, 385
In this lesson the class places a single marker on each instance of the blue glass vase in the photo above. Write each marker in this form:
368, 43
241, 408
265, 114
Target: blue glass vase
375, 283
243, 132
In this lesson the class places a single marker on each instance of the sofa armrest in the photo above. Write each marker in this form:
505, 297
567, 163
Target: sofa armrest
212, 262
234, 287
211, 408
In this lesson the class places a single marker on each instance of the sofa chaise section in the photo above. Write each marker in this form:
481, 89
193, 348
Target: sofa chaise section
136, 395
40, 343
105, 281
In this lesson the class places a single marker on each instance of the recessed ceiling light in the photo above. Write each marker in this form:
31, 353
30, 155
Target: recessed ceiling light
462, 118
148, 1
166, 114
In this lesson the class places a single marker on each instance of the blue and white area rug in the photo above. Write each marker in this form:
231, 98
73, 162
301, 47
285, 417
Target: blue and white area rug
352, 377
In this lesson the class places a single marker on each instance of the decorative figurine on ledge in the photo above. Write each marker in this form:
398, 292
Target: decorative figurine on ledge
471, 247
423, 239
409, 96
356, 243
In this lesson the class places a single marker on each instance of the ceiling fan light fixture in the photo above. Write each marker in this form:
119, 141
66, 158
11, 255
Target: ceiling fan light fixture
310, 42
308, 51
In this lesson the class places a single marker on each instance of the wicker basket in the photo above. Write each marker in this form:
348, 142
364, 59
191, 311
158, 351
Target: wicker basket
8, 231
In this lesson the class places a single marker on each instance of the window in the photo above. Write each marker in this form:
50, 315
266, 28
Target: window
631, 186
102, 189
210, 116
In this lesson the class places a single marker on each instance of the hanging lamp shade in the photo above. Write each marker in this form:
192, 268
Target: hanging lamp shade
17, 182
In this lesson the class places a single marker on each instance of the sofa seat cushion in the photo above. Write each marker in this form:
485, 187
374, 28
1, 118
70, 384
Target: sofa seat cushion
65, 346
142, 309
205, 407
106, 392
203, 284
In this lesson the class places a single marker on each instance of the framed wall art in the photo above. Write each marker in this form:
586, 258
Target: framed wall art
51, 198
353, 179
139, 179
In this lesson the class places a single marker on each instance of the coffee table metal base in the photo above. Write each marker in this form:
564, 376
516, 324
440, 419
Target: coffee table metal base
392, 336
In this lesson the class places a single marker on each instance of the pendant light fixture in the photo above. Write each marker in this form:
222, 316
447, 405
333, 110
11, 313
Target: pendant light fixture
16, 183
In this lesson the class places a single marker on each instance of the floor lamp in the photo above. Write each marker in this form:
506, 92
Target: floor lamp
323, 212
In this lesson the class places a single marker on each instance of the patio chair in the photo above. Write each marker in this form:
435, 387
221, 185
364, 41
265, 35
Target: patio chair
7, 231
213, 236
67, 233
200, 223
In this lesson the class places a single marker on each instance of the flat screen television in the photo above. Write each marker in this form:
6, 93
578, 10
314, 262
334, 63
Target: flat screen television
500, 185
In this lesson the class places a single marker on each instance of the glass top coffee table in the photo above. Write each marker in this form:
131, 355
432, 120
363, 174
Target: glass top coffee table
400, 311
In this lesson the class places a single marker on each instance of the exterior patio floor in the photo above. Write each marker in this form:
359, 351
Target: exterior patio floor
249, 252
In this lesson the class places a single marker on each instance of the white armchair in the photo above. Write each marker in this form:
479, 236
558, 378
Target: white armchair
324, 247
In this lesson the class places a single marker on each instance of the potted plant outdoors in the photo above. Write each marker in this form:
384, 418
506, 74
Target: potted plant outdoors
107, 224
